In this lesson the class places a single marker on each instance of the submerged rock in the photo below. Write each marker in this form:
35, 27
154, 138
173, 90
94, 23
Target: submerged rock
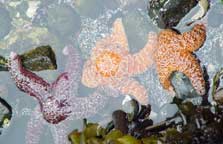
137, 28
95, 8
63, 21
214, 15
92, 8
183, 86
5, 22
168, 13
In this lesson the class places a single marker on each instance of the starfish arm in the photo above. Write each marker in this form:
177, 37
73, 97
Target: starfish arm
73, 66
166, 36
60, 87
35, 127
144, 58
89, 75
60, 133
26, 80
116, 41
190, 66
118, 34
186, 63
134, 88
195, 38
83, 107
68, 81
164, 74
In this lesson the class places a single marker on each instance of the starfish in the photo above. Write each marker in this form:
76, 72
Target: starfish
58, 102
112, 65
175, 53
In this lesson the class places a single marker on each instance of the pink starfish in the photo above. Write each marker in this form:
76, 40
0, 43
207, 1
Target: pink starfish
111, 64
58, 101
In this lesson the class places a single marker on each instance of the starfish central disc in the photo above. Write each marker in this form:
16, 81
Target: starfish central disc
107, 63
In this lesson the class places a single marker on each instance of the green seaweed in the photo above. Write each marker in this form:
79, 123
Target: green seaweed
95, 134
3, 64
191, 124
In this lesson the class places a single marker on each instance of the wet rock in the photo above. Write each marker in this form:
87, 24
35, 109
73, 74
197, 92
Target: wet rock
168, 13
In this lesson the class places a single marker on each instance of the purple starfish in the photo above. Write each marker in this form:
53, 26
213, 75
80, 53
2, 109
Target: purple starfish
58, 101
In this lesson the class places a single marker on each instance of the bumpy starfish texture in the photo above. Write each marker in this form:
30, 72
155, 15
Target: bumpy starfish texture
59, 101
175, 53
111, 64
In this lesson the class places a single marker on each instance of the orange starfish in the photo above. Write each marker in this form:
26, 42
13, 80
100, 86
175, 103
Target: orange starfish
111, 63
175, 53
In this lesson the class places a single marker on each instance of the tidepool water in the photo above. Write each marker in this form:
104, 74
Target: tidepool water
26, 24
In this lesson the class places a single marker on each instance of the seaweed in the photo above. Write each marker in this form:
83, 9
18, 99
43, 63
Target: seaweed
194, 124
38, 59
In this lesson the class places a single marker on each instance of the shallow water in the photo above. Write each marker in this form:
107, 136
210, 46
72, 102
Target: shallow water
31, 27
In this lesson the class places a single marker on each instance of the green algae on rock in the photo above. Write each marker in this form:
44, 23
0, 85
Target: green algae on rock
22, 38
38, 59
5, 114
168, 13
3, 66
